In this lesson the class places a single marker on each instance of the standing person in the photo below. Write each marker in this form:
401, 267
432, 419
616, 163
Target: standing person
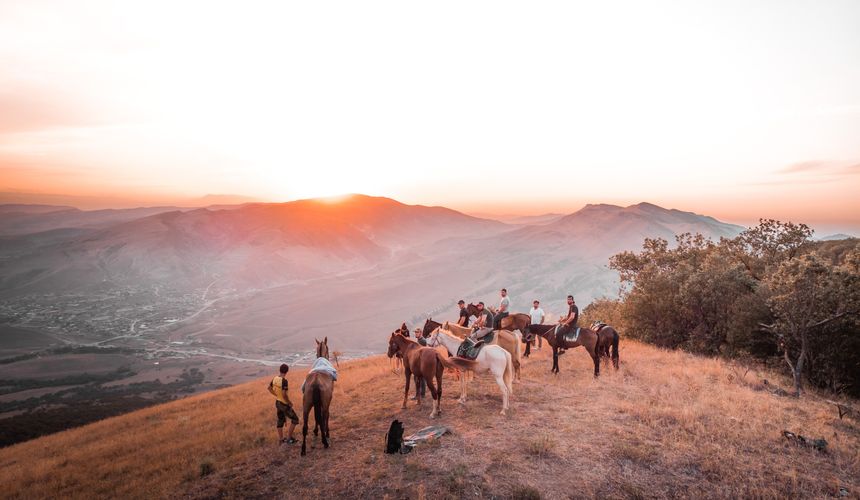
504, 309
283, 406
567, 323
537, 318
463, 320
420, 384
483, 323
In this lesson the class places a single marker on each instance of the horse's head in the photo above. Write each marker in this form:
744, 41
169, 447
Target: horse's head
472, 309
322, 348
428, 325
393, 346
433, 340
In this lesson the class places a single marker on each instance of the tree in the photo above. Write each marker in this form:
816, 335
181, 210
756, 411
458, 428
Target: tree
804, 295
768, 244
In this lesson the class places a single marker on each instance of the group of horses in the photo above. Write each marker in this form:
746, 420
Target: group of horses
501, 356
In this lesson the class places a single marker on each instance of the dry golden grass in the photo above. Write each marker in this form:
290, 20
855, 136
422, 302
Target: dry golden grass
667, 424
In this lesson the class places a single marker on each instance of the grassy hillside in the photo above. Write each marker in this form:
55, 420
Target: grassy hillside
666, 424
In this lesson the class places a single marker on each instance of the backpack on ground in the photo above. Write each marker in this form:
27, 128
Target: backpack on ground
394, 437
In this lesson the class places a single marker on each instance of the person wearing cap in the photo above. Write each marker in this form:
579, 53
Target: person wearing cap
483, 323
504, 309
537, 317
463, 320
567, 323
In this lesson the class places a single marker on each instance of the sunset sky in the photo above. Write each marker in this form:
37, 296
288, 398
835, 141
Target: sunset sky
738, 110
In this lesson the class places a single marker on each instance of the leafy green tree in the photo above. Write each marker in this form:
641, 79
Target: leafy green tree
805, 294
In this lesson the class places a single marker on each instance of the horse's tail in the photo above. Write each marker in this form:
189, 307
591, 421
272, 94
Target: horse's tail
615, 349
317, 403
459, 363
518, 339
508, 377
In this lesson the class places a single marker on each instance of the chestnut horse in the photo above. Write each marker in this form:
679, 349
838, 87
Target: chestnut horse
423, 362
587, 338
318, 391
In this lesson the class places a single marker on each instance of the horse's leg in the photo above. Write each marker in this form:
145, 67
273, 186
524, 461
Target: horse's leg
499, 375
555, 360
440, 370
417, 388
596, 358
325, 425
408, 373
433, 394
462, 399
306, 408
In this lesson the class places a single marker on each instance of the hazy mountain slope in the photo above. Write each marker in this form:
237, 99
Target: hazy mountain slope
24, 219
543, 262
256, 245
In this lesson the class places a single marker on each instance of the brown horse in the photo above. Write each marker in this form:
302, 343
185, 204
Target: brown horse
318, 391
511, 322
422, 362
587, 338
607, 342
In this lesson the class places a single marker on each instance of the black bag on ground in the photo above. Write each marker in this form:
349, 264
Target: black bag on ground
394, 437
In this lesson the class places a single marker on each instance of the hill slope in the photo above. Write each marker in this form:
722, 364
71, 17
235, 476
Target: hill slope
667, 424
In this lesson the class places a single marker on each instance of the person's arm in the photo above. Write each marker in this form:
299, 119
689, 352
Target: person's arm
461, 320
286, 394
272, 388
542, 316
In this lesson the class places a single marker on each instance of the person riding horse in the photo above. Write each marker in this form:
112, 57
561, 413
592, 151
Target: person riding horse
567, 323
483, 324
503, 311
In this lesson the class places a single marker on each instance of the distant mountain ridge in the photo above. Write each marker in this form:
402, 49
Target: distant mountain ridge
346, 268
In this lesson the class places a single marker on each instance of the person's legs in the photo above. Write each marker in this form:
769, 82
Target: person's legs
294, 421
560, 331
281, 420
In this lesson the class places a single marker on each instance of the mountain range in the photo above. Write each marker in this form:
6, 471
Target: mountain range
267, 276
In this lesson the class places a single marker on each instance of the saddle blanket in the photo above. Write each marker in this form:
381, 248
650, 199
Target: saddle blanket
571, 336
470, 350
322, 365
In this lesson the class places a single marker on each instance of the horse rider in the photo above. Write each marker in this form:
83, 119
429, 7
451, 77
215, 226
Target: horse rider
463, 320
566, 324
483, 323
504, 309
537, 318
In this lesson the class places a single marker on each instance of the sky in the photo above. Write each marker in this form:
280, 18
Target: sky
738, 110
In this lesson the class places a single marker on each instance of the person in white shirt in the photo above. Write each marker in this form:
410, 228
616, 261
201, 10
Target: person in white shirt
504, 309
538, 317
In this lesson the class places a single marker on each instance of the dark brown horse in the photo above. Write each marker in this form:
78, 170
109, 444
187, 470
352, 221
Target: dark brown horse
423, 363
587, 338
511, 322
607, 343
318, 391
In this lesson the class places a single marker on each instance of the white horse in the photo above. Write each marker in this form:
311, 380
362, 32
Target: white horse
492, 358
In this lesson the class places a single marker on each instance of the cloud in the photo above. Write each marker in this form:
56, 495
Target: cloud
822, 168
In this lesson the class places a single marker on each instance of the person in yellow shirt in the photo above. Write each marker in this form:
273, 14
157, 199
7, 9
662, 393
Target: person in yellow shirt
283, 406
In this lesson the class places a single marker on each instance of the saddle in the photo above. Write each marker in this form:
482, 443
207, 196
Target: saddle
598, 326
470, 349
573, 335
